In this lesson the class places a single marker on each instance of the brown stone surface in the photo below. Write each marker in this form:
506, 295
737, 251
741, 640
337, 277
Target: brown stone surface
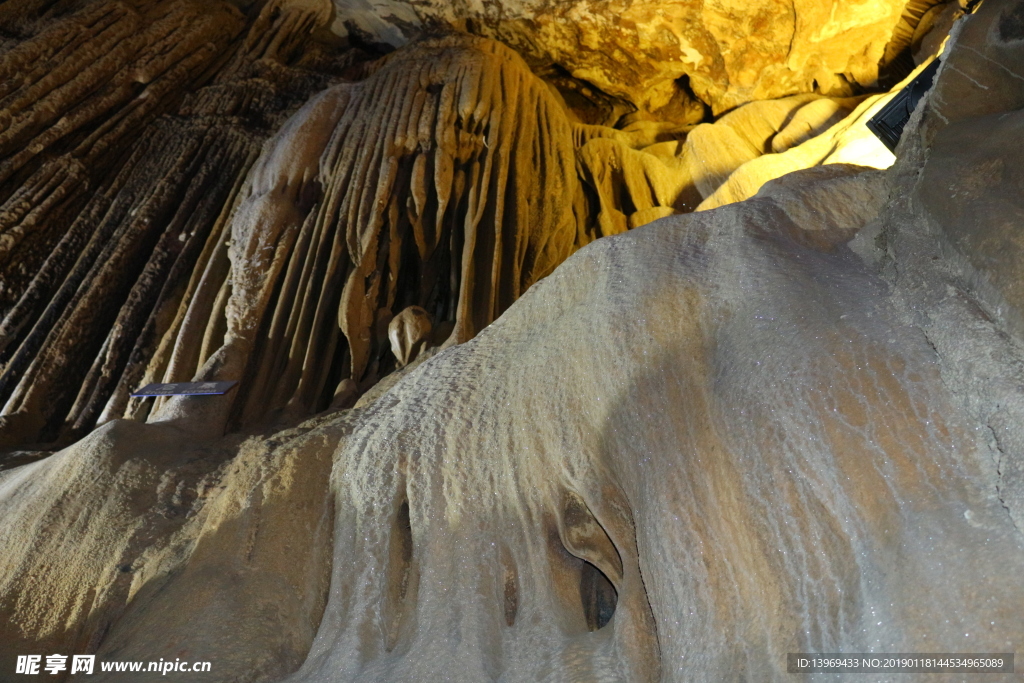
972, 185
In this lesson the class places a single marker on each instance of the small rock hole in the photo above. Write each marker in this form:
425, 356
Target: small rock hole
511, 596
598, 597
401, 550
401, 580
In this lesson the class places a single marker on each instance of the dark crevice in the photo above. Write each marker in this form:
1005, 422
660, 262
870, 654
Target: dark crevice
598, 596
510, 602
401, 587
684, 86
589, 103
599, 561
1011, 24
1000, 482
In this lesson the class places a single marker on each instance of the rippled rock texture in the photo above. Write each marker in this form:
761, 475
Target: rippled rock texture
789, 423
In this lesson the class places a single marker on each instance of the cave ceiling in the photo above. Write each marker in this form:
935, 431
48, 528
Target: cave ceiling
665, 57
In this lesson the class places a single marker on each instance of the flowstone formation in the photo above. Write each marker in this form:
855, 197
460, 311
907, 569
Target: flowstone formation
522, 396
437, 182
112, 205
270, 224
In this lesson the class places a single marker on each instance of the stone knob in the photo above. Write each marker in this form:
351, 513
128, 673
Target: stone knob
409, 333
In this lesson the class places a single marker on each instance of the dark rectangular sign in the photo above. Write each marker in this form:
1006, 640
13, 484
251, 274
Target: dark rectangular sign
185, 389
890, 120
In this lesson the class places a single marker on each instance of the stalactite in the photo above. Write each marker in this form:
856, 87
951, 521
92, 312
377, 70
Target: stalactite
109, 63
438, 182
87, 307
136, 246
71, 99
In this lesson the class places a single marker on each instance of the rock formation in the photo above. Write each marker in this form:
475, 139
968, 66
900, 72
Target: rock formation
111, 208
439, 181
522, 396
445, 176
661, 57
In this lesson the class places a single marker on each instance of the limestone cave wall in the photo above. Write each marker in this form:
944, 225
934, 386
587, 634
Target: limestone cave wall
574, 341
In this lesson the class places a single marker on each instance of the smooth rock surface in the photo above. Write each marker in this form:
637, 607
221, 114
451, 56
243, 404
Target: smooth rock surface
734, 426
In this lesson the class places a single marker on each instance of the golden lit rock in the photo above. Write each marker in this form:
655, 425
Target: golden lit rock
658, 55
